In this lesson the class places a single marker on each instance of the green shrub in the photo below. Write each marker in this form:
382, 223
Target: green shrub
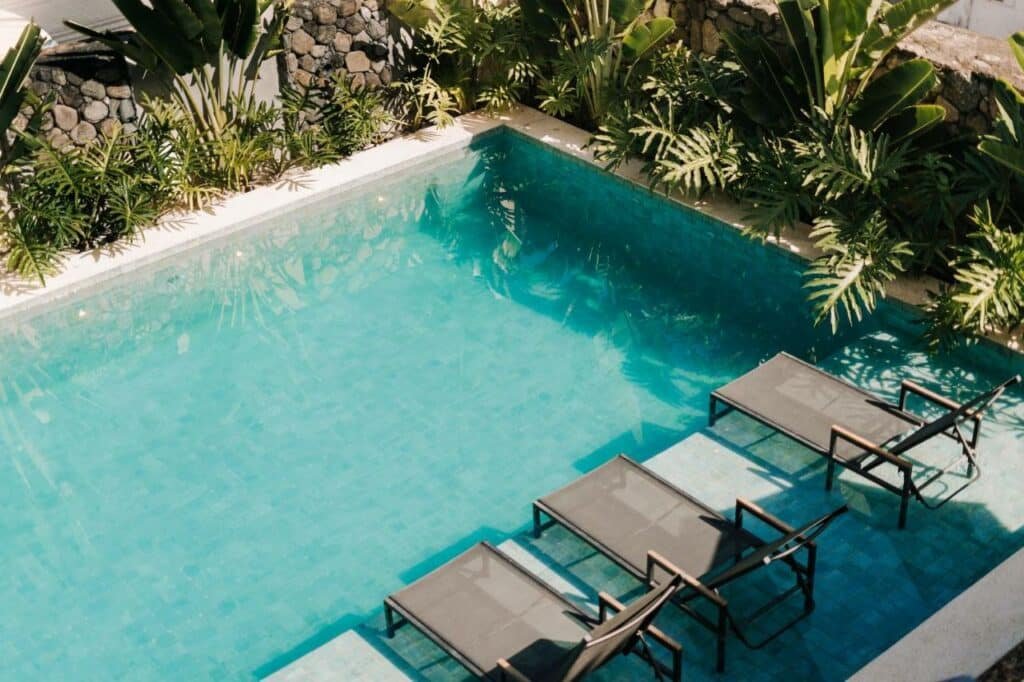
466, 54
79, 198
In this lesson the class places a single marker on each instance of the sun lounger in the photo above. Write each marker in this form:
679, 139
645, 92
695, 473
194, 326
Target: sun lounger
854, 428
648, 526
503, 623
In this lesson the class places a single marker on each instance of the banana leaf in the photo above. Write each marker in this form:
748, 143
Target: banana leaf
1008, 155
641, 38
625, 11
913, 121
893, 92
158, 44
13, 71
238, 23
894, 23
770, 99
1017, 46
798, 22
415, 14
128, 46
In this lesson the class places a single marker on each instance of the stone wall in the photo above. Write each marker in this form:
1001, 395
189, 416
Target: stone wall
323, 37
91, 90
967, 62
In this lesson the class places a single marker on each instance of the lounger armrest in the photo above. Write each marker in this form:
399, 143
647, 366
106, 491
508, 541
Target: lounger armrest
838, 432
509, 672
606, 603
775, 522
908, 387
674, 647
656, 560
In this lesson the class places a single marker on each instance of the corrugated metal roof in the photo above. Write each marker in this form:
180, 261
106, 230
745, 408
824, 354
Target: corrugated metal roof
50, 14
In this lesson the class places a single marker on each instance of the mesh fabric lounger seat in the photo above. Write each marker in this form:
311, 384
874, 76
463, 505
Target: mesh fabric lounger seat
503, 623
854, 428
647, 525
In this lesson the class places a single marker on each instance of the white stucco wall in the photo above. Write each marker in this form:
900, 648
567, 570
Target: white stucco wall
997, 18
49, 14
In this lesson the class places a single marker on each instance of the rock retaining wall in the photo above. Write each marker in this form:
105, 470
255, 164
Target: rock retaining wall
324, 37
91, 90
967, 62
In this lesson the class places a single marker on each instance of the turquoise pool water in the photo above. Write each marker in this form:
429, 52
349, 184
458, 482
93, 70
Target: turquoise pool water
216, 465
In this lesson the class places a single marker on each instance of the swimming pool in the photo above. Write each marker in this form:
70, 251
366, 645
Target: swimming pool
221, 462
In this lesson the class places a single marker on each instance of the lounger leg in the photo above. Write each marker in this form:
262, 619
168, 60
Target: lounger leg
536, 522
830, 473
812, 562
904, 500
712, 404
389, 619
721, 633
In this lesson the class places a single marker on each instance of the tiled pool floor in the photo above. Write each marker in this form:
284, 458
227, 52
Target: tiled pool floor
875, 583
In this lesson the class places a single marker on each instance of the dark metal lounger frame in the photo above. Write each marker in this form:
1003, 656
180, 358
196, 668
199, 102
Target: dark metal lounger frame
877, 455
606, 604
783, 549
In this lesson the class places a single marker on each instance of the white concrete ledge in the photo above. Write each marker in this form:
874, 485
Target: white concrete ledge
964, 638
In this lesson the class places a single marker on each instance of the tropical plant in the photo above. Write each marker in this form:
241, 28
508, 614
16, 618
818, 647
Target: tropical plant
834, 50
330, 120
14, 70
671, 118
207, 52
78, 199
602, 45
987, 293
466, 54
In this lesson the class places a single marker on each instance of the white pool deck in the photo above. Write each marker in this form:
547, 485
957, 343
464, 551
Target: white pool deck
958, 642
965, 637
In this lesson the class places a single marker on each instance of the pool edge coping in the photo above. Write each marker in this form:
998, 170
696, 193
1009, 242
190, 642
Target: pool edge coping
965, 637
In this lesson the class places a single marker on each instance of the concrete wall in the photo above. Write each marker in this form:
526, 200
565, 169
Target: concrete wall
997, 18
351, 37
92, 93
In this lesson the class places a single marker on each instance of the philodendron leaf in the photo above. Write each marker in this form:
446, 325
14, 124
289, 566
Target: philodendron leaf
641, 39
893, 92
913, 121
625, 11
1005, 154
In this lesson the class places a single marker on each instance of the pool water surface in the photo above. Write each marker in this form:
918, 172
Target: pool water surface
215, 465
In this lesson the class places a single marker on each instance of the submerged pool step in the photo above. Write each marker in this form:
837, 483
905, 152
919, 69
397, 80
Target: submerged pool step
349, 657
356, 655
